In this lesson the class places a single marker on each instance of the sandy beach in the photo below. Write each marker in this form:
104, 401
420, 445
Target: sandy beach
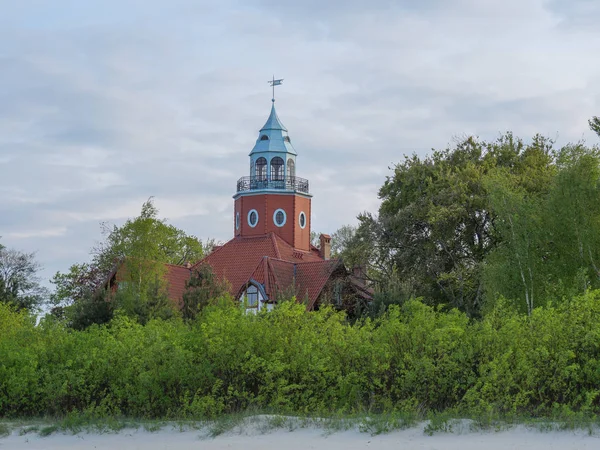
306, 438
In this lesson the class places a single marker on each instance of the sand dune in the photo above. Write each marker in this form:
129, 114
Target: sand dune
306, 438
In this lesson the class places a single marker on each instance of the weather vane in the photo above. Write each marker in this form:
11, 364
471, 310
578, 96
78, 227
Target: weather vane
274, 83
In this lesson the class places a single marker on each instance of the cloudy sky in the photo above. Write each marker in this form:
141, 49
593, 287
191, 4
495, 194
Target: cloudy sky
104, 103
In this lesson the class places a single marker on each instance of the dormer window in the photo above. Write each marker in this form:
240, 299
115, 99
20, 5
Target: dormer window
264, 137
287, 139
252, 297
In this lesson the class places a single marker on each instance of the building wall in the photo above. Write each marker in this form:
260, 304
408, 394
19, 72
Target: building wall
265, 205
302, 235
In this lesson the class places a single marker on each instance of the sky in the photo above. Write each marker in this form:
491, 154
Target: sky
105, 103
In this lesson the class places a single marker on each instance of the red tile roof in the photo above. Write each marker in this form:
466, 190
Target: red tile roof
311, 278
267, 259
176, 277
237, 260
305, 280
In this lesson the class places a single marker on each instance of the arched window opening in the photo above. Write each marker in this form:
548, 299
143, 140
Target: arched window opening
261, 169
287, 139
252, 297
291, 168
277, 169
264, 137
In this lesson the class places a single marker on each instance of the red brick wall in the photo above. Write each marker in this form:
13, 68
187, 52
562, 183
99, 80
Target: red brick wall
301, 236
266, 205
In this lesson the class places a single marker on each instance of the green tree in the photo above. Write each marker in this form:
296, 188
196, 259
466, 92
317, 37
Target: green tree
346, 245
19, 280
572, 219
201, 290
550, 239
145, 244
135, 253
435, 225
511, 269
594, 123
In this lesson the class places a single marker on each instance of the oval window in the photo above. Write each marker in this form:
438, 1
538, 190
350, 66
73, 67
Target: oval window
302, 219
252, 218
237, 220
279, 217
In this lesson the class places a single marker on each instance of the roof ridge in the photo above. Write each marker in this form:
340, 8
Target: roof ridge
281, 260
320, 262
275, 246
273, 274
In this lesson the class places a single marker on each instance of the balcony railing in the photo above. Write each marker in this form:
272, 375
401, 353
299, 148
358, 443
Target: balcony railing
295, 184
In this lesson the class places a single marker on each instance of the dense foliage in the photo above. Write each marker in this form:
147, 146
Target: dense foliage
204, 288
412, 358
138, 250
483, 220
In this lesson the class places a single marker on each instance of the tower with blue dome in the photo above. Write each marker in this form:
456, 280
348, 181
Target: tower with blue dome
272, 198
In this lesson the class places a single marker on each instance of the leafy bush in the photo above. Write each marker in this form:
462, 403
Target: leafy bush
415, 359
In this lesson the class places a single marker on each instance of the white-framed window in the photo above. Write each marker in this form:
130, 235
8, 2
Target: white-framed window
302, 220
291, 168
279, 217
252, 297
237, 220
253, 218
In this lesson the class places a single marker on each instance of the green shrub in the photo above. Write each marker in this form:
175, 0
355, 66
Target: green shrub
413, 361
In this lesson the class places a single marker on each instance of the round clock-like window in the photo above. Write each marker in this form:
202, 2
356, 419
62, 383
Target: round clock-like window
253, 218
279, 217
302, 220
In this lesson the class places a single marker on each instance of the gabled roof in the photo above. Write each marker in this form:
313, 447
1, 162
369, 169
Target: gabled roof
270, 261
305, 280
237, 260
311, 278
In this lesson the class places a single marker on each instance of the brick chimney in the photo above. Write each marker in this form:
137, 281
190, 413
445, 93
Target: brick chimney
325, 246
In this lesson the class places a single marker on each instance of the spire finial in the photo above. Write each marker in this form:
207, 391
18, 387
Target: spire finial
274, 83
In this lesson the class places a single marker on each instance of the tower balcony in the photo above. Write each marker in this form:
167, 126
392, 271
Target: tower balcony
255, 183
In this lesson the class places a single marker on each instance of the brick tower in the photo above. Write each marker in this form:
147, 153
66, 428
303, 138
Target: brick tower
272, 198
